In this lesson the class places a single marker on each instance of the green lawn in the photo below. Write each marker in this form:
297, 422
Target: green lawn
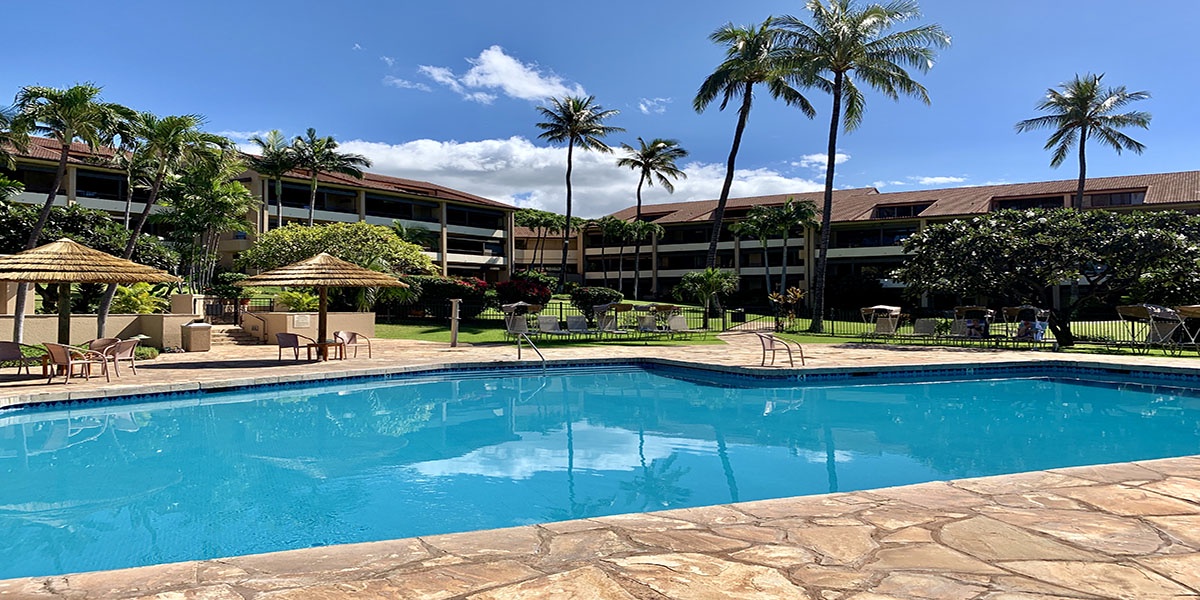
494, 334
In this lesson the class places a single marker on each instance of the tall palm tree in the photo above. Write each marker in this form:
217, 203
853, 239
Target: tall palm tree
655, 160
168, 145
606, 227
575, 121
785, 219
319, 154
641, 231
846, 45
753, 55
129, 159
757, 224
64, 115
1081, 109
275, 159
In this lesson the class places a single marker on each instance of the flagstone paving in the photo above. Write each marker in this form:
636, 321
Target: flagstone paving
1129, 530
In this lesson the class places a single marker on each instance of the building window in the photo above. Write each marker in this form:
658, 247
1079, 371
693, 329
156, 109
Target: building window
479, 219
1114, 199
871, 238
392, 207
329, 199
474, 246
36, 180
1028, 203
900, 212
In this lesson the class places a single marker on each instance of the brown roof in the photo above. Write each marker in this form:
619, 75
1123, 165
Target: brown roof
48, 149
701, 210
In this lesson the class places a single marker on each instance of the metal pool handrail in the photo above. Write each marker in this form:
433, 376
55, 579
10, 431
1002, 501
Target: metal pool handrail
525, 336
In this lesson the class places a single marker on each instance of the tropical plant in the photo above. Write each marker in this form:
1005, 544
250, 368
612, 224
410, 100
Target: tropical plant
788, 307
757, 225
753, 55
64, 115
846, 45
360, 243
653, 161
542, 223
575, 121
128, 158
437, 291
706, 287
297, 301
13, 136
640, 231
1080, 110
139, 298
521, 290
425, 238
320, 154
223, 285
9, 188
168, 145
787, 218
587, 298
275, 159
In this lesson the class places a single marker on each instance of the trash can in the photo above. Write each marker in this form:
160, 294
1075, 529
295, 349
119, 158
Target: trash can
737, 315
196, 337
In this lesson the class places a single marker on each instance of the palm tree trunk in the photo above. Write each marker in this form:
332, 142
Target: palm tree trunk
766, 262
637, 247
566, 241
278, 202
604, 256
818, 305
783, 269
130, 244
312, 198
719, 213
128, 198
36, 233
1077, 203
621, 265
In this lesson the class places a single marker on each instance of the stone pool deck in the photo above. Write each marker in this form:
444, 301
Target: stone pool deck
1128, 530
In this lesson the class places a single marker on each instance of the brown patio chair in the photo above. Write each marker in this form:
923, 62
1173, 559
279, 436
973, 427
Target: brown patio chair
99, 344
13, 352
773, 344
293, 341
68, 357
351, 339
122, 351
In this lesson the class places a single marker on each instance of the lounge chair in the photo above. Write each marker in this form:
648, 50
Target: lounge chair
923, 329
648, 325
14, 352
549, 325
882, 318
515, 325
1152, 326
578, 325
352, 339
122, 351
293, 341
607, 324
68, 357
772, 344
678, 325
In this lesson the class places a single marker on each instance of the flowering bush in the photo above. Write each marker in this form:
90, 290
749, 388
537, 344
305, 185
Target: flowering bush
521, 290
437, 291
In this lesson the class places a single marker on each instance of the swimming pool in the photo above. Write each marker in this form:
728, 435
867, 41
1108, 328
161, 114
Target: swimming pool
102, 486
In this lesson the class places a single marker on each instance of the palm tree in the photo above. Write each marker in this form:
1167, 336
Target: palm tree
575, 121
640, 231
425, 238
655, 160
129, 159
1081, 109
319, 154
606, 227
753, 55
706, 286
13, 137
275, 159
787, 218
168, 145
757, 224
64, 115
846, 43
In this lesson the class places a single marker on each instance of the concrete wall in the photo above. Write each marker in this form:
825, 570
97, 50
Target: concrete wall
306, 324
162, 329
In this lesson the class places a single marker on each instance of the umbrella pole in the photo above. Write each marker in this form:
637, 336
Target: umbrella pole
64, 313
322, 322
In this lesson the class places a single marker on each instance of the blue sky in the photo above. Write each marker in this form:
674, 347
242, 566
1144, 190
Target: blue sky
446, 91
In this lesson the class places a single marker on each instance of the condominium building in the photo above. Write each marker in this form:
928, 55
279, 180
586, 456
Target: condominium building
869, 228
470, 235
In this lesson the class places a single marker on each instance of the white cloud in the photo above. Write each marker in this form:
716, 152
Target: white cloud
818, 161
356, 47
389, 61
405, 84
940, 180
656, 106
518, 172
242, 136
494, 71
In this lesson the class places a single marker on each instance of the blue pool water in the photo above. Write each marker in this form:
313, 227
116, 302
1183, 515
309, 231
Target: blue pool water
105, 486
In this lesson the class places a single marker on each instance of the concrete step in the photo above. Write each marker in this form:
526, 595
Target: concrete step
234, 336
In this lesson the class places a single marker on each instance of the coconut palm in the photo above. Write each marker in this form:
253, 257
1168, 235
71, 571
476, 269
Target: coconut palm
652, 161
786, 218
1081, 109
606, 226
575, 121
706, 286
757, 224
753, 55
13, 137
66, 115
167, 145
641, 231
275, 159
319, 154
847, 45
129, 159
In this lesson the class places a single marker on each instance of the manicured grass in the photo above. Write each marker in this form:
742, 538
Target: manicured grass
487, 334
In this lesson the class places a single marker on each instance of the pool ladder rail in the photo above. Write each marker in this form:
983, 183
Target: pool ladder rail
525, 337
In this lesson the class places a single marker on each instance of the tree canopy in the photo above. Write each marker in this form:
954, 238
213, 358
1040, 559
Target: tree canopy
361, 243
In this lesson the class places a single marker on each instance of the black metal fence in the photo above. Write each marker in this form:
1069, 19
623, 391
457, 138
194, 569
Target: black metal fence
224, 311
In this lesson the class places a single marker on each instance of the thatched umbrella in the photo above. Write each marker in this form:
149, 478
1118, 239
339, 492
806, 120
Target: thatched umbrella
65, 262
322, 272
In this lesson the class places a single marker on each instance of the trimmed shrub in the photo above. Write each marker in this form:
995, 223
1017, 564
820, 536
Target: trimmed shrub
521, 290
584, 298
541, 277
437, 291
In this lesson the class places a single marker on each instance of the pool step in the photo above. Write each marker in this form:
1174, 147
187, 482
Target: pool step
233, 336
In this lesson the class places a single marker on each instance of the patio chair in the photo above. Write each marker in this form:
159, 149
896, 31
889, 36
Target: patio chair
648, 325
122, 351
607, 324
352, 339
68, 357
883, 318
293, 341
14, 352
772, 344
517, 324
678, 325
548, 325
1151, 326
99, 344
923, 329
578, 325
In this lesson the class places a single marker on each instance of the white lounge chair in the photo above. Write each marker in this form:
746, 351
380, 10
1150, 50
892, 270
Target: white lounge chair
577, 325
549, 325
678, 325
